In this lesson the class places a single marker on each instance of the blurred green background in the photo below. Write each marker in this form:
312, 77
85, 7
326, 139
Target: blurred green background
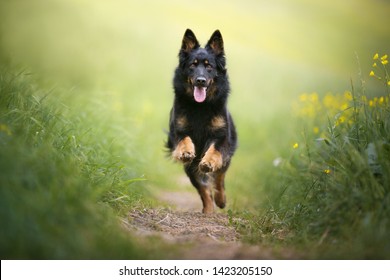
116, 59
110, 64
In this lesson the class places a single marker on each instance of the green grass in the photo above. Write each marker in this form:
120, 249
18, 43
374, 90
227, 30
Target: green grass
82, 126
57, 189
333, 189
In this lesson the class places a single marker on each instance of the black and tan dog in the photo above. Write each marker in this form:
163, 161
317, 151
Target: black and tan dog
201, 131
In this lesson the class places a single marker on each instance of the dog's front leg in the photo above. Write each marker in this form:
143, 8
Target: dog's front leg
212, 160
185, 150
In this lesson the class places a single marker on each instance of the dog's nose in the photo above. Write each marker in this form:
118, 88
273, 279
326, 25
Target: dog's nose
201, 81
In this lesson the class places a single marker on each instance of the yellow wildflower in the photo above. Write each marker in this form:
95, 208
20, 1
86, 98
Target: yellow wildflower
340, 120
372, 74
328, 100
374, 65
384, 62
303, 97
376, 56
316, 130
295, 146
381, 100
327, 171
348, 95
344, 106
388, 83
314, 97
384, 57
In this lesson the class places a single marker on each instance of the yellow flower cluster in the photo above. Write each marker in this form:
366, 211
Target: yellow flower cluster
337, 107
378, 101
384, 61
313, 107
333, 115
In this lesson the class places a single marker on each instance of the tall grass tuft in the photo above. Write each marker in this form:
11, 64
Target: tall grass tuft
334, 189
56, 188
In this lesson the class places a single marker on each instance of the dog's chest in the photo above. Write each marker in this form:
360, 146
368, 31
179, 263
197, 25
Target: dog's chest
200, 123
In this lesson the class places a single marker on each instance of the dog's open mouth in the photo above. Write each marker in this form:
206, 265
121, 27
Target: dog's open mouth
200, 94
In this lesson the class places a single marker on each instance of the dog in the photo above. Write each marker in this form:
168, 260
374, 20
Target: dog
201, 133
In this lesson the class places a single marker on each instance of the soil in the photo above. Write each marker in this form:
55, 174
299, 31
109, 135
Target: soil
192, 234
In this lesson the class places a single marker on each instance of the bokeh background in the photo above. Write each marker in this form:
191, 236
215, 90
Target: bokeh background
111, 63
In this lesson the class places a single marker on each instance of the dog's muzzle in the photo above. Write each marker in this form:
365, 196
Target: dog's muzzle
200, 89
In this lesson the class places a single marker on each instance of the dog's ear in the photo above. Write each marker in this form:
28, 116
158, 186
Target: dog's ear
189, 41
216, 43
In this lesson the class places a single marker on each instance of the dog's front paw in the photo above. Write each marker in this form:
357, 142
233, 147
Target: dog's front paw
210, 166
185, 156
206, 166
212, 161
185, 150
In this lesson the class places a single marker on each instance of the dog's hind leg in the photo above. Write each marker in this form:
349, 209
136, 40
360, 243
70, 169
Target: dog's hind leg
207, 198
219, 193
203, 186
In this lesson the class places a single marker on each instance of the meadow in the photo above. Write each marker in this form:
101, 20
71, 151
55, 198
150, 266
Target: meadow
85, 93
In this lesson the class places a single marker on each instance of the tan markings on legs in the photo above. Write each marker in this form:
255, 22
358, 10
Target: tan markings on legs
218, 122
185, 150
219, 194
212, 160
207, 199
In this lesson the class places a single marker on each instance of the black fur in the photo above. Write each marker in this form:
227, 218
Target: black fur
203, 118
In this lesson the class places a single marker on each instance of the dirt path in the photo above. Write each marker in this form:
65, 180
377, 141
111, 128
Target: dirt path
196, 236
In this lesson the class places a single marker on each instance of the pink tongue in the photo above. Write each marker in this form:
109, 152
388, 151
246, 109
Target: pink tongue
200, 94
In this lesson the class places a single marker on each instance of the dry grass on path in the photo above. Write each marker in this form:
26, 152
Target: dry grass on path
194, 235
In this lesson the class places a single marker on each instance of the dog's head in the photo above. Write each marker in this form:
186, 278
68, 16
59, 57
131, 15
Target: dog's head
201, 67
